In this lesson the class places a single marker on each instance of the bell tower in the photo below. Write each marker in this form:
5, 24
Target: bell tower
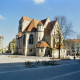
23, 23
40, 32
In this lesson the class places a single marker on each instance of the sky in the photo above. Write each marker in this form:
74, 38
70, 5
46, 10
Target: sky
11, 12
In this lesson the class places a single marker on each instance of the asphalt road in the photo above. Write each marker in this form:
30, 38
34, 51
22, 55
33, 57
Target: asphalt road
67, 71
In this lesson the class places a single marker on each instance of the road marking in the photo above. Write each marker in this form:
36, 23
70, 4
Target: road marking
63, 75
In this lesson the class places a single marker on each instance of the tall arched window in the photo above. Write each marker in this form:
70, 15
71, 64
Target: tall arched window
24, 39
31, 39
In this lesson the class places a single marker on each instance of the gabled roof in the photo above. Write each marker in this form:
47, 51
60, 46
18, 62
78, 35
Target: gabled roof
25, 18
49, 27
19, 34
61, 46
43, 44
32, 26
43, 21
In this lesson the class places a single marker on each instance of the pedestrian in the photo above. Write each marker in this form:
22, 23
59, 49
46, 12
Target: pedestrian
74, 57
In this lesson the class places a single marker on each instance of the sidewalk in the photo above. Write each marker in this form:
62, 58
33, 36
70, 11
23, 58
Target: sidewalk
21, 58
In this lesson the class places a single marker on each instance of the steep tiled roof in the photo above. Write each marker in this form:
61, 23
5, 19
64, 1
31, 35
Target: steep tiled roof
76, 40
32, 26
63, 47
25, 18
43, 44
73, 40
49, 28
19, 34
43, 21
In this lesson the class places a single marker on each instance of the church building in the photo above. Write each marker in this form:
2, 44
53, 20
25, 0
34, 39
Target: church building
39, 38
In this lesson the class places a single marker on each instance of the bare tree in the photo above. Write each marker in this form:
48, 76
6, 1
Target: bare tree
66, 27
59, 43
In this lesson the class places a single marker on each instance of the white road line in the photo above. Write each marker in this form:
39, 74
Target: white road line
63, 75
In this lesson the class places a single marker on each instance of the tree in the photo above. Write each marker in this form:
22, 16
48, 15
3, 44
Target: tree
66, 27
59, 48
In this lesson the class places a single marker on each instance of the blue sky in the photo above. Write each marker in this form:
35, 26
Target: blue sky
12, 10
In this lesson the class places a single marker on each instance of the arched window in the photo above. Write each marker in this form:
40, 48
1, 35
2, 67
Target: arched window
24, 39
31, 39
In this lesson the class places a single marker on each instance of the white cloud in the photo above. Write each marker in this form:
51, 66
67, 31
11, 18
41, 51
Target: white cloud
39, 1
1, 17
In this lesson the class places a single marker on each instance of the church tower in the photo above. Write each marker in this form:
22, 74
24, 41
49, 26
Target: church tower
40, 32
23, 23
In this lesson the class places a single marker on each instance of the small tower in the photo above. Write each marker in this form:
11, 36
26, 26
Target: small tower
40, 32
23, 23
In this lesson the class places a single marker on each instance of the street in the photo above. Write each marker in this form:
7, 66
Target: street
66, 71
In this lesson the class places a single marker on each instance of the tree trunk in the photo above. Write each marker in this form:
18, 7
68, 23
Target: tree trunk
59, 44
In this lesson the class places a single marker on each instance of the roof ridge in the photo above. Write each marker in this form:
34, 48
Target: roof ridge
25, 18
43, 44
34, 21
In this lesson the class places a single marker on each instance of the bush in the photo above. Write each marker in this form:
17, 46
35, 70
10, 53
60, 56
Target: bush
38, 63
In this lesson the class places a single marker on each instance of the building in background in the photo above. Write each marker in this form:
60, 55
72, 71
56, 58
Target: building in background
5, 50
12, 46
1, 44
39, 37
72, 46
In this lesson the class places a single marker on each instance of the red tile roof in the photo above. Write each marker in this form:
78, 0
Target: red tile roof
62, 46
49, 28
73, 40
76, 40
43, 44
32, 26
25, 18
